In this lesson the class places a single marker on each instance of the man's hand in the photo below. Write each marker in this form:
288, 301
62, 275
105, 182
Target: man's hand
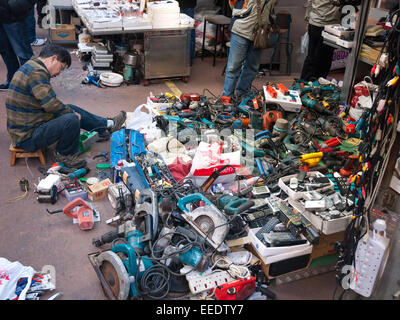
79, 116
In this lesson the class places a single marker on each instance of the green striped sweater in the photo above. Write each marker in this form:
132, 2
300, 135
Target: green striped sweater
31, 101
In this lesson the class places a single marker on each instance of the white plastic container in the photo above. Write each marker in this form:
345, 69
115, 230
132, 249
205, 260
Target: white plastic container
284, 184
326, 227
284, 101
274, 254
164, 14
85, 36
370, 259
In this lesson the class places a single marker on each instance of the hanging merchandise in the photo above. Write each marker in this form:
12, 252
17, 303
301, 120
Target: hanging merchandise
370, 259
364, 93
378, 126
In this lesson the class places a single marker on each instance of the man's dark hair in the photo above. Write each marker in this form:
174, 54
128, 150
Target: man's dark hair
61, 53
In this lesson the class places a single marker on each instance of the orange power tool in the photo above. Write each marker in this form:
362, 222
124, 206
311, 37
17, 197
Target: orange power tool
269, 119
281, 87
84, 214
272, 92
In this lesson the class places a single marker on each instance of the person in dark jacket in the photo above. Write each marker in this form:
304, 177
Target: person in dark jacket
319, 55
15, 47
187, 7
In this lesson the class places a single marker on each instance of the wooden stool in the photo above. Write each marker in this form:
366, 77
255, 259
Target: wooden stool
20, 153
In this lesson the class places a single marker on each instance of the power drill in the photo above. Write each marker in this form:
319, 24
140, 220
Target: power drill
233, 205
269, 119
126, 230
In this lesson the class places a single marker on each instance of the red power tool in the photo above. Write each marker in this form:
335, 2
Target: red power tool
84, 214
272, 92
349, 166
269, 119
236, 290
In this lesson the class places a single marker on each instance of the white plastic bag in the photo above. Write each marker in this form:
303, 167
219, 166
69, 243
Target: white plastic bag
362, 98
210, 158
151, 133
141, 118
10, 273
170, 149
305, 38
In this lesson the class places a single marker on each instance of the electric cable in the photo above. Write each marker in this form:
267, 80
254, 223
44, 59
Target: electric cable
24, 187
235, 270
380, 133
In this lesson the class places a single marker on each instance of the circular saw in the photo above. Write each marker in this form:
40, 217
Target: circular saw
119, 269
207, 220
114, 273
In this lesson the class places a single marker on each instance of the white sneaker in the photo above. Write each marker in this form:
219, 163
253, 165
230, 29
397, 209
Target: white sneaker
39, 42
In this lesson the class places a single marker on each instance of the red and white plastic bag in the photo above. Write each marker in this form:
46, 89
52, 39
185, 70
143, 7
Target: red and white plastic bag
209, 157
10, 273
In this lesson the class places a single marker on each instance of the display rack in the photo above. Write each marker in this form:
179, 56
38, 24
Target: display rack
357, 64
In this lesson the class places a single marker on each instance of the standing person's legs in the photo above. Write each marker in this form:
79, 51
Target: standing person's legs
31, 25
325, 55
239, 48
310, 65
39, 7
8, 55
17, 33
249, 72
190, 13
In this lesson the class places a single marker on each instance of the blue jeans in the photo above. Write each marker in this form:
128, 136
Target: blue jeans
190, 13
66, 130
242, 66
15, 47
31, 25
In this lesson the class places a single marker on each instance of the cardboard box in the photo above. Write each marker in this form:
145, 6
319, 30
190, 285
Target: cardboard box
63, 32
98, 190
284, 270
76, 21
326, 245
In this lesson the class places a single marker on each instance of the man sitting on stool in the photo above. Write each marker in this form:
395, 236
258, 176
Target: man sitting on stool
37, 119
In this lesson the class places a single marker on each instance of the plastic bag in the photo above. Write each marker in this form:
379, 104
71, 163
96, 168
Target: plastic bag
305, 38
151, 133
141, 118
10, 273
210, 158
170, 149
362, 98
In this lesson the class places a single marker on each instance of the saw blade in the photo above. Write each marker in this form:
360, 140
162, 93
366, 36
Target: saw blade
115, 274
206, 224
210, 224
